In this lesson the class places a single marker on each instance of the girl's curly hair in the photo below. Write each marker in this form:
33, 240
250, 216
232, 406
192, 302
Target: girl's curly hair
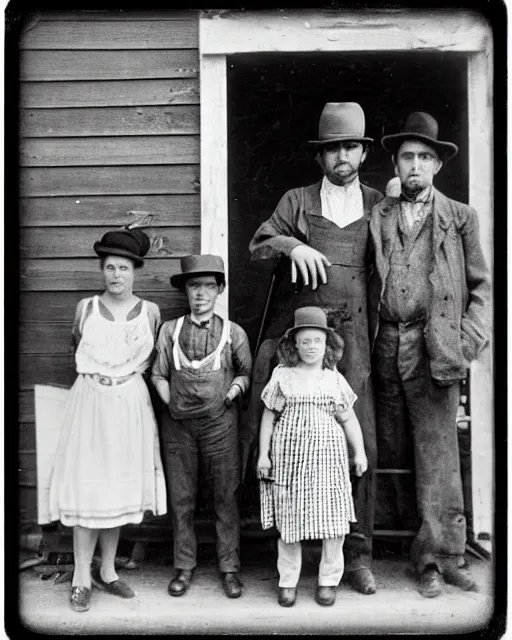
289, 356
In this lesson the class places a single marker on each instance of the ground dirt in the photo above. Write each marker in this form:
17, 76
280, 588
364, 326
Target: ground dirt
397, 607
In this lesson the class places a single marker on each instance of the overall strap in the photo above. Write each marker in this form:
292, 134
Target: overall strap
223, 340
175, 347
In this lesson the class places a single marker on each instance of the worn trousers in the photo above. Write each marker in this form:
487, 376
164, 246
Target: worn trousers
416, 428
215, 442
289, 562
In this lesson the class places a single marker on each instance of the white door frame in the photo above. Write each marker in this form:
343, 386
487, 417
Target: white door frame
225, 33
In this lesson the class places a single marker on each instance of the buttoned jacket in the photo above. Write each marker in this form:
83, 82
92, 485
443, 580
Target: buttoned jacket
458, 320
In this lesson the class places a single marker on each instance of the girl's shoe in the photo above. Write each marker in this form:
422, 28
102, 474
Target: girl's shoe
287, 595
325, 595
80, 598
116, 588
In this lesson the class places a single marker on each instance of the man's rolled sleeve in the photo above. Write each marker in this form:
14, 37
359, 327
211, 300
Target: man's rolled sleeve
161, 366
242, 358
282, 232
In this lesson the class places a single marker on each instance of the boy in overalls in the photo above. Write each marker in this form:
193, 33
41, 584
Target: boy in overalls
203, 363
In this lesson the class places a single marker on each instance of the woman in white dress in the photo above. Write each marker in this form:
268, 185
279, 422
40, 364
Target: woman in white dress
108, 470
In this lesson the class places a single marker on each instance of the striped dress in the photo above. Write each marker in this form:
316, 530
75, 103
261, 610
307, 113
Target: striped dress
311, 497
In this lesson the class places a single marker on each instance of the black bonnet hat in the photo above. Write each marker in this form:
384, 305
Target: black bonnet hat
127, 243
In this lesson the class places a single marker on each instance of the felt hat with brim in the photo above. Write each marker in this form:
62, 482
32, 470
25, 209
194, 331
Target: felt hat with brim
198, 265
341, 121
309, 318
127, 243
423, 127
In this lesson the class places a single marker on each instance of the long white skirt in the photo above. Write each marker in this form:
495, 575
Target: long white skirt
108, 470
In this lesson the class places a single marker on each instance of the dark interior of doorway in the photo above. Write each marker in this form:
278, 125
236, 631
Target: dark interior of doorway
274, 102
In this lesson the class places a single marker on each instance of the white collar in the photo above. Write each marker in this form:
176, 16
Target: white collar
329, 187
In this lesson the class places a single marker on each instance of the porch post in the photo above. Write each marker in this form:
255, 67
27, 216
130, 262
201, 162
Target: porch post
214, 164
481, 188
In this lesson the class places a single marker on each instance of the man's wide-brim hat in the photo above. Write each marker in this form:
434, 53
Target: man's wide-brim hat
423, 127
309, 318
127, 243
341, 121
198, 265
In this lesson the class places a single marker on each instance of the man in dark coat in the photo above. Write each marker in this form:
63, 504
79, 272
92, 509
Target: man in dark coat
430, 302
319, 234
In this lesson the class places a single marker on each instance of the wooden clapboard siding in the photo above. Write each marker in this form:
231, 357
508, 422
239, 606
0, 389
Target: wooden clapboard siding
26, 410
45, 369
27, 437
27, 471
109, 93
77, 242
111, 211
44, 306
45, 337
118, 15
98, 34
118, 180
109, 135
108, 65
83, 274
28, 505
45, 152
112, 121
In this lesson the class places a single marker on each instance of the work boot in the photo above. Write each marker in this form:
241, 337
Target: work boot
232, 585
453, 575
430, 582
362, 580
180, 583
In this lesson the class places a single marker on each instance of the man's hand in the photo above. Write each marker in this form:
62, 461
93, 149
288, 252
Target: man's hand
232, 393
309, 262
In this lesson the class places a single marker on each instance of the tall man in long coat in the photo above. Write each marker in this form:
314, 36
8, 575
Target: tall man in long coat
320, 234
431, 304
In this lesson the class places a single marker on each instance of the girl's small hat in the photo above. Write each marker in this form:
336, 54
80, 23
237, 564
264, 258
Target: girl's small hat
127, 243
198, 265
309, 318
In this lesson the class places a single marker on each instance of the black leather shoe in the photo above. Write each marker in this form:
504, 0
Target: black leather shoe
325, 595
287, 596
116, 588
430, 583
180, 583
362, 581
232, 585
80, 598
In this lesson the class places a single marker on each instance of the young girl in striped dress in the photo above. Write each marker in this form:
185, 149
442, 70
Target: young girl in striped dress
303, 464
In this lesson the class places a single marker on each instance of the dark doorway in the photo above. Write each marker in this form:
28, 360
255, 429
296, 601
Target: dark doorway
274, 102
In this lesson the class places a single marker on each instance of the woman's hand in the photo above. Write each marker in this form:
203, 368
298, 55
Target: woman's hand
360, 463
264, 466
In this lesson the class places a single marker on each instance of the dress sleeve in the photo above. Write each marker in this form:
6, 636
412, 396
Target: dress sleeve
272, 395
345, 397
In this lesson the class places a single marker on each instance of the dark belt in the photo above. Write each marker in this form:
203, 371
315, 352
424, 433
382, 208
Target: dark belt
407, 323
